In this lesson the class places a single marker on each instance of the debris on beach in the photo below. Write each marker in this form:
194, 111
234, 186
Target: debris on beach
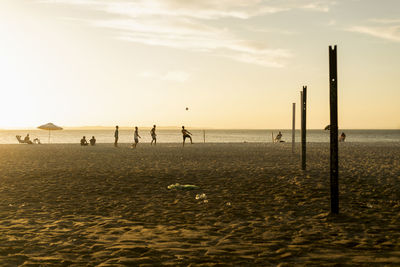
182, 186
202, 197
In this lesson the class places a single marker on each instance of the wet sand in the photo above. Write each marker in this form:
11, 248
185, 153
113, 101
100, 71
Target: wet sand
72, 205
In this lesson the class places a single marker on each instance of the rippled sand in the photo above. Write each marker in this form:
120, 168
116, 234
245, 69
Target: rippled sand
66, 204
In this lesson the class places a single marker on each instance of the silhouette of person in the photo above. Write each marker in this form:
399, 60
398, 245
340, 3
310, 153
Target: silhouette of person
342, 137
116, 135
136, 137
278, 137
186, 134
92, 141
83, 141
27, 140
153, 135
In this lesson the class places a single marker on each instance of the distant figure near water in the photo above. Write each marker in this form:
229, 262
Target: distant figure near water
136, 137
27, 139
92, 141
83, 141
278, 138
342, 137
116, 134
186, 134
153, 135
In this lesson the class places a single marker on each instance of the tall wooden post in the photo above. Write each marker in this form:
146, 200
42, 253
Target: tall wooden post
293, 127
334, 157
204, 136
303, 126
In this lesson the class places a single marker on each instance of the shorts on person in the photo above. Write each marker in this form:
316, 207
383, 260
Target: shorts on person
186, 136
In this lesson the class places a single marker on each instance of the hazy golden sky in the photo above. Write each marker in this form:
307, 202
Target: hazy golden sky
235, 64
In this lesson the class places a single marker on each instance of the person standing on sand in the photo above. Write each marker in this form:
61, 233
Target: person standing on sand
136, 137
153, 135
116, 134
186, 134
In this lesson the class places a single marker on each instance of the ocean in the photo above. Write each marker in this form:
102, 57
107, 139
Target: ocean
211, 136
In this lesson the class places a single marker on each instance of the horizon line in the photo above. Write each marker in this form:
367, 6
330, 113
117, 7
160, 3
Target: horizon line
178, 127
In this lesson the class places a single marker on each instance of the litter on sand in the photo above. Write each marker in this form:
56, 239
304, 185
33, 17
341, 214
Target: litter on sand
201, 196
183, 186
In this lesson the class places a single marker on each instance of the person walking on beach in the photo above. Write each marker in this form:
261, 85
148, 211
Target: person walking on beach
136, 137
153, 135
186, 134
116, 134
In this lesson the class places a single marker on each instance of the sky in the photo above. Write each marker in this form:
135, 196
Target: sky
233, 63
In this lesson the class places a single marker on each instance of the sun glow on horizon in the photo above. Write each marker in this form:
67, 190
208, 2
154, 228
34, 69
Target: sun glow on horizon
237, 64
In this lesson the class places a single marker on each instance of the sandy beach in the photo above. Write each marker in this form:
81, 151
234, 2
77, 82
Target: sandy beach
71, 205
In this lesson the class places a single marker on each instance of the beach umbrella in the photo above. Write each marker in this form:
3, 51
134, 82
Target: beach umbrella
50, 127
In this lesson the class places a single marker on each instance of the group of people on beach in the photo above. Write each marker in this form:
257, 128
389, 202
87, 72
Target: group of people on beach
27, 140
91, 141
136, 136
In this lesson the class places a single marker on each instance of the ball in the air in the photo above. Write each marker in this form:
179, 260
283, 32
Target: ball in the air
187, 108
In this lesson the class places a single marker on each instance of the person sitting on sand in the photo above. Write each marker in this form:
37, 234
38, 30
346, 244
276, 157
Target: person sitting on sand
92, 141
27, 140
186, 134
153, 135
83, 141
136, 137
342, 137
278, 137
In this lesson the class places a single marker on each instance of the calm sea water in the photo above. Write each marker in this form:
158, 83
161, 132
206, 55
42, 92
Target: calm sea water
214, 136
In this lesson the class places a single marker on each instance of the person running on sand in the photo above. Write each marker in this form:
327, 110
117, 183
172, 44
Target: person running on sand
186, 134
136, 137
83, 141
116, 134
153, 135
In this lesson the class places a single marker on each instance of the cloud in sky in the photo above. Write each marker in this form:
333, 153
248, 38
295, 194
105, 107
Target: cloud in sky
172, 76
187, 25
205, 9
176, 76
387, 29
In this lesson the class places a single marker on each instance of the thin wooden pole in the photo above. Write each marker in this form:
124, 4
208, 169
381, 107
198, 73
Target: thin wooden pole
293, 127
204, 136
334, 146
303, 127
